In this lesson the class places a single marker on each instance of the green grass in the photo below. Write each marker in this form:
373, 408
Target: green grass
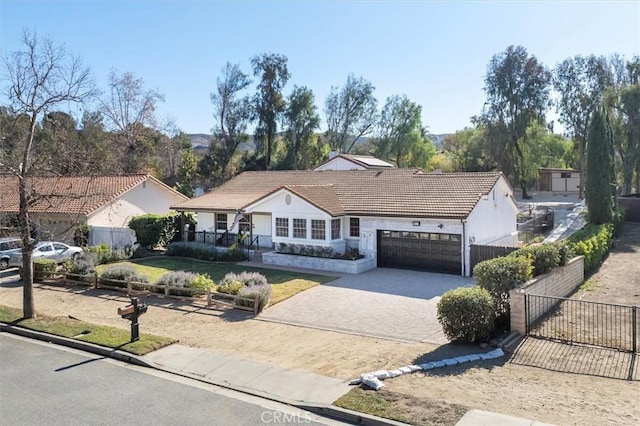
284, 284
589, 285
370, 402
110, 337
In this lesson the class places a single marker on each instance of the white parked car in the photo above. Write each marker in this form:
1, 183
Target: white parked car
8, 245
47, 250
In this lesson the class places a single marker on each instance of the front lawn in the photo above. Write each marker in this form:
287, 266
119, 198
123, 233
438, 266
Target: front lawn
110, 337
284, 284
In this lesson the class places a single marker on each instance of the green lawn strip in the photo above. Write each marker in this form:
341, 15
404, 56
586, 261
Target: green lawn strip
402, 407
284, 283
110, 337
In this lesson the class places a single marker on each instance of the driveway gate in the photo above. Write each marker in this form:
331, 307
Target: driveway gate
577, 321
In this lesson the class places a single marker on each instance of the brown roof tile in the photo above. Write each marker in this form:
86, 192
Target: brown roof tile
387, 192
69, 194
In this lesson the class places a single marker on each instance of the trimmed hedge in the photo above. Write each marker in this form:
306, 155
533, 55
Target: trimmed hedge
466, 314
544, 257
154, 230
44, 268
592, 242
500, 275
204, 251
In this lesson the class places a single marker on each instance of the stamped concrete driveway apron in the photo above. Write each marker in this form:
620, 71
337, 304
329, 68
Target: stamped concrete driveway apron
388, 303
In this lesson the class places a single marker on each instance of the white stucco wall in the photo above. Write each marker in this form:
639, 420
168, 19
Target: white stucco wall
494, 218
339, 163
147, 197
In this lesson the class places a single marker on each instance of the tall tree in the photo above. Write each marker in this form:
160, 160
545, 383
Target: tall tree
187, 171
581, 83
399, 132
517, 89
624, 101
273, 74
232, 113
130, 110
466, 150
351, 113
599, 188
38, 78
300, 121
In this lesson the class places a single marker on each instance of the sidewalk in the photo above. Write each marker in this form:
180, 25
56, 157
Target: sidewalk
267, 380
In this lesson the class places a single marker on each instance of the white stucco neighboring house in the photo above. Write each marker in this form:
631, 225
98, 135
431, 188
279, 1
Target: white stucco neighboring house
399, 217
353, 162
104, 203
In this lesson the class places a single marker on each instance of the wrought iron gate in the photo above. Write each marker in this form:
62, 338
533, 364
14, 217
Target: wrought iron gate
577, 321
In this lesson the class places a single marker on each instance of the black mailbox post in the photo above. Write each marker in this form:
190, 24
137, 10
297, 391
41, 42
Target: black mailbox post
132, 312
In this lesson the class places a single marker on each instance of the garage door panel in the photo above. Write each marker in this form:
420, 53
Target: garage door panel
420, 250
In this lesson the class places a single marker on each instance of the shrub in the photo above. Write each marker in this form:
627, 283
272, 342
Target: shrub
104, 254
618, 220
466, 314
565, 252
44, 268
544, 257
234, 255
261, 295
182, 279
500, 275
81, 265
230, 287
592, 242
194, 250
123, 273
158, 230
251, 279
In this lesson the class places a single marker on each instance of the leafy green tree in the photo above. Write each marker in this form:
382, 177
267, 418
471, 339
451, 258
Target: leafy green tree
273, 74
466, 150
37, 79
624, 101
599, 187
399, 132
232, 113
580, 83
300, 121
97, 144
517, 88
351, 113
187, 171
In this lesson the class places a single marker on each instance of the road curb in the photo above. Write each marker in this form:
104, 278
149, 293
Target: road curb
324, 410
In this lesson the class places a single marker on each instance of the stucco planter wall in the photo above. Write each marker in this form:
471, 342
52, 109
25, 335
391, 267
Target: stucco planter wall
560, 282
319, 263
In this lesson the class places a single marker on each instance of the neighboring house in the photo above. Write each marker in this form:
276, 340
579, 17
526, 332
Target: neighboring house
401, 217
352, 162
105, 204
558, 180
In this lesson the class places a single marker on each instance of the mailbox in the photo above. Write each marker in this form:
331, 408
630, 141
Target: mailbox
132, 312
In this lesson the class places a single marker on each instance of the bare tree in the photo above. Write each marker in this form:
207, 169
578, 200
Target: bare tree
130, 110
351, 113
40, 76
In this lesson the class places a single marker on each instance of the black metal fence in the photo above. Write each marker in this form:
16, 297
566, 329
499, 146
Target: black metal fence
533, 225
578, 321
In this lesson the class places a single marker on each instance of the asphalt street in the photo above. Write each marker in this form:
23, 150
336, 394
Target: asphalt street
43, 384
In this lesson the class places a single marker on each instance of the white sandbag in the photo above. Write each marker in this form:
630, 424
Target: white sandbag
405, 370
381, 374
372, 381
395, 373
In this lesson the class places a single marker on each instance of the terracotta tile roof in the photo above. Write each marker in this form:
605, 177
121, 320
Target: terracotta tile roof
382, 192
69, 194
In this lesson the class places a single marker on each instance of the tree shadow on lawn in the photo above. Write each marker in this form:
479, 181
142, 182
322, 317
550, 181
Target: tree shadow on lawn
451, 350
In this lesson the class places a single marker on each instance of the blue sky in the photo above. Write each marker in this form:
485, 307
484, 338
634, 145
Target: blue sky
434, 52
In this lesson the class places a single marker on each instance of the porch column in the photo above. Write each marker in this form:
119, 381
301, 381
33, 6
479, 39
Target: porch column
184, 233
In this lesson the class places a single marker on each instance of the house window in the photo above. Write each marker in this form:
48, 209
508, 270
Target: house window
299, 228
318, 229
565, 175
335, 229
245, 224
354, 227
221, 221
282, 227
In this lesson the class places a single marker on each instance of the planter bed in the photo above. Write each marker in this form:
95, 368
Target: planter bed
319, 263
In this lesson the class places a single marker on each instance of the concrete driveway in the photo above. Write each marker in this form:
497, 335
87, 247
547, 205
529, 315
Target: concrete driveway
388, 303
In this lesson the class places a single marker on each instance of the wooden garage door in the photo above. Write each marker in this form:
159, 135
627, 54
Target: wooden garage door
420, 250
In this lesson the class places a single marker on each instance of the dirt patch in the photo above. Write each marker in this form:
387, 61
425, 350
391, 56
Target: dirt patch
520, 390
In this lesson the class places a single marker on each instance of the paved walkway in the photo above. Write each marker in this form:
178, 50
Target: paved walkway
387, 303
254, 377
